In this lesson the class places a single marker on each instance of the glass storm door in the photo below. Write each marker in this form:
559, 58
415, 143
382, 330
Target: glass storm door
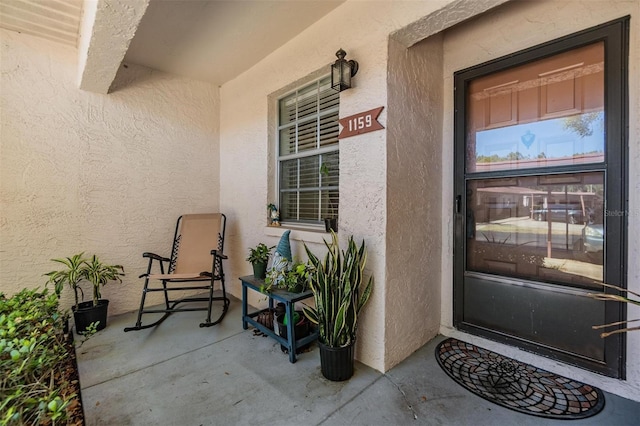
540, 197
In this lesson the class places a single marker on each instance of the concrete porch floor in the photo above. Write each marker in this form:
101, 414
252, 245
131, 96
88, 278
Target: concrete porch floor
181, 374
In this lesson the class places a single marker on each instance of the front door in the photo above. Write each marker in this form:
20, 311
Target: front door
541, 197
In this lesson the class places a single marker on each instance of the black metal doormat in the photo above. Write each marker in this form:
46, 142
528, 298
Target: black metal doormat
516, 385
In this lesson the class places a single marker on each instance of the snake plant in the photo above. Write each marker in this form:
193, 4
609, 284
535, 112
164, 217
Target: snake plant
339, 290
616, 298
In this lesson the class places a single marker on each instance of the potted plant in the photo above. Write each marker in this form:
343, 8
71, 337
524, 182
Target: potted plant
297, 277
331, 223
259, 256
340, 291
331, 220
301, 328
292, 277
91, 315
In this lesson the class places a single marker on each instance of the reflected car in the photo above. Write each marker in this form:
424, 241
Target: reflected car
560, 213
593, 238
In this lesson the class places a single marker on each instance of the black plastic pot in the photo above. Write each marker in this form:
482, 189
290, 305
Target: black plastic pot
336, 364
301, 330
259, 270
299, 288
86, 314
331, 224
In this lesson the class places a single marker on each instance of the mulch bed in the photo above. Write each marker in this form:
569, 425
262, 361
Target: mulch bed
68, 376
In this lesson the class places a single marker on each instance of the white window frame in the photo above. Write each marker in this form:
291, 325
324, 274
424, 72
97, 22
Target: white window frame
333, 148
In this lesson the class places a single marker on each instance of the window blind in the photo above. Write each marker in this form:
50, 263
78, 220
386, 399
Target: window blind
308, 153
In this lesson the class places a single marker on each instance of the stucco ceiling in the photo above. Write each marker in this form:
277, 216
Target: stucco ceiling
217, 40
209, 40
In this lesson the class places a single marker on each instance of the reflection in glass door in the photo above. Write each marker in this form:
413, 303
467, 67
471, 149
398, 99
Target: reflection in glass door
543, 228
536, 155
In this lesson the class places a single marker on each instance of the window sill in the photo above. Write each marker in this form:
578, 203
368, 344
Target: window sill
297, 234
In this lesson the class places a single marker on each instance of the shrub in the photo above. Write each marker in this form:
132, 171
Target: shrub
33, 351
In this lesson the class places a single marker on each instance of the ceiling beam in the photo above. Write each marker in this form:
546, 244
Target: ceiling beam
442, 19
106, 30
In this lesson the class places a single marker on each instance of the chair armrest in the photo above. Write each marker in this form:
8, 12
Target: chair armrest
155, 256
219, 254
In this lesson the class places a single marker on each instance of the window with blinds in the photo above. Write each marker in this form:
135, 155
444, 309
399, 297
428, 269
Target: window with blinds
308, 156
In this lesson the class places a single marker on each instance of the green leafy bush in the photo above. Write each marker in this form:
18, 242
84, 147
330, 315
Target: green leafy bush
33, 348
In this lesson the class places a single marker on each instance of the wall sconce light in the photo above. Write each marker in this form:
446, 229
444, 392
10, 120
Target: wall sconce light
342, 71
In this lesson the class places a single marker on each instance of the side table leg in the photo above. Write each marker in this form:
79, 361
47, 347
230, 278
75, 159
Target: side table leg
291, 338
244, 306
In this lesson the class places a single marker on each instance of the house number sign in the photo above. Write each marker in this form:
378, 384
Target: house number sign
360, 123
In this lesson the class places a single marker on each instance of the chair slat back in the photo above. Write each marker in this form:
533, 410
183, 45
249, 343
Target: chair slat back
198, 236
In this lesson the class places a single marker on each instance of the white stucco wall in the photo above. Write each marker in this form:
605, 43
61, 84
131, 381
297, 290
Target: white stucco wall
104, 174
362, 29
414, 185
510, 28
110, 174
245, 149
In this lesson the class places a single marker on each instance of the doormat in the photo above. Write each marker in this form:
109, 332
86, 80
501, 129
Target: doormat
516, 385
